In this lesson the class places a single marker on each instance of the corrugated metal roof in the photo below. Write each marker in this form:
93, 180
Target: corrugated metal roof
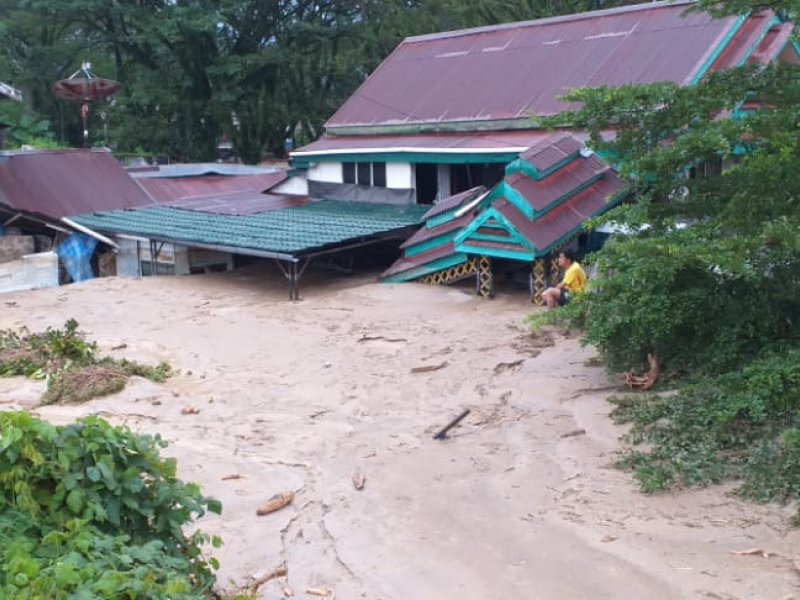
549, 152
559, 222
754, 43
167, 190
242, 203
540, 194
454, 201
429, 233
289, 231
405, 264
199, 170
66, 183
486, 141
517, 70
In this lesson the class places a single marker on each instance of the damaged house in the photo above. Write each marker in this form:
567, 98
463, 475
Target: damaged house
447, 122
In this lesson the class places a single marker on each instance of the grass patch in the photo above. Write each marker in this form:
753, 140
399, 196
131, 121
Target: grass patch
70, 363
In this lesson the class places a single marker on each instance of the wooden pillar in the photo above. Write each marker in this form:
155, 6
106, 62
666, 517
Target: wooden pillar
555, 270
484, 278
537, 281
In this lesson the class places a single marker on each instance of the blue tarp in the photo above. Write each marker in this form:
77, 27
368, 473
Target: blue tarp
76, 252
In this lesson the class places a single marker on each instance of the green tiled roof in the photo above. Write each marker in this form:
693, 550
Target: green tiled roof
287, 231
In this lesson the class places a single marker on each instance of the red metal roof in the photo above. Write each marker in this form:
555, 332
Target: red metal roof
166, 190
540, 194
67, 183
754, 43
485, 141
454, 201
516, 70
427, 233
553, 226
240, 203
551, 151
404, 264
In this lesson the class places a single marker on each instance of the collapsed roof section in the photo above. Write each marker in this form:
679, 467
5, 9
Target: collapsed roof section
546, 196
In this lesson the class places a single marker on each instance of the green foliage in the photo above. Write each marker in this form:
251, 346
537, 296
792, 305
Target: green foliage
710, 275
70, 363
92, 511
192, 71
742, 425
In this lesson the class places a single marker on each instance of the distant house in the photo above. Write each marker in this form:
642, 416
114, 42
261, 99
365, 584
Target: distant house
447, 120
446, 112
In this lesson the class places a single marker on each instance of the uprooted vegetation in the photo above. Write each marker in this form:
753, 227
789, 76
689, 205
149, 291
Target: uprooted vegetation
92, 511
70, 363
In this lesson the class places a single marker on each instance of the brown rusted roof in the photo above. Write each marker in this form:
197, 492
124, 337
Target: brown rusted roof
454, 201
166, 190
559, 222
540, 194
404, 264
67, 183
549, 152
516, 70
485, 141
241, 203
428, 233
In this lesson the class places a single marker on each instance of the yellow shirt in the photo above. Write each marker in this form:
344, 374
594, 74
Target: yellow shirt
575, 279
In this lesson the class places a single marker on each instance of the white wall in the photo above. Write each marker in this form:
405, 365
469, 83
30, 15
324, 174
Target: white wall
297, 184
399, 175
31, 272
330, 172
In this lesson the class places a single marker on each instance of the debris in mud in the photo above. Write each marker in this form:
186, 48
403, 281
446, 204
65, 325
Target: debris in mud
753, 552
644, 382
442, 434
323, 592
532, 343
80, 384
359, 479
190, 410
513, 367
280, 571
573, 433
232, 476
277, 502
375, 338
429, 368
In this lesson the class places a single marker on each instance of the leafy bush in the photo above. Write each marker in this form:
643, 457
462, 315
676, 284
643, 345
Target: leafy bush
743, 425
92, 511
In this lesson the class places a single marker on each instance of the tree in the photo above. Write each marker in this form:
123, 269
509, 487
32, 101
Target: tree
710, 282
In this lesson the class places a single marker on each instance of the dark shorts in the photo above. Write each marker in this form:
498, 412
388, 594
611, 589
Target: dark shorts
563, 300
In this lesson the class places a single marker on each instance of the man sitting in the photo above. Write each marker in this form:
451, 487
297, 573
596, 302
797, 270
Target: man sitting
574, 281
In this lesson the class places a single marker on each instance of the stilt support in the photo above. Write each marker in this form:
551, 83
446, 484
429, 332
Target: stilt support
485, 279
537, 281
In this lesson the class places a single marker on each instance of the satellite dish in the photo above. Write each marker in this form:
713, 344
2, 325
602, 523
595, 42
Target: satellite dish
82, 86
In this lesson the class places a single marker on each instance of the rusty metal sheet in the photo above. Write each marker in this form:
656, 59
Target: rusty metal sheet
67, 183
515, 71
242, 203
169, 189
454, 201
498, 141
548, 153
553, 226
407, 263
541, 194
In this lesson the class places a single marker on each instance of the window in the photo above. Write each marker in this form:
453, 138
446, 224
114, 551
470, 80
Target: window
349, 172
364, 173
379, 174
